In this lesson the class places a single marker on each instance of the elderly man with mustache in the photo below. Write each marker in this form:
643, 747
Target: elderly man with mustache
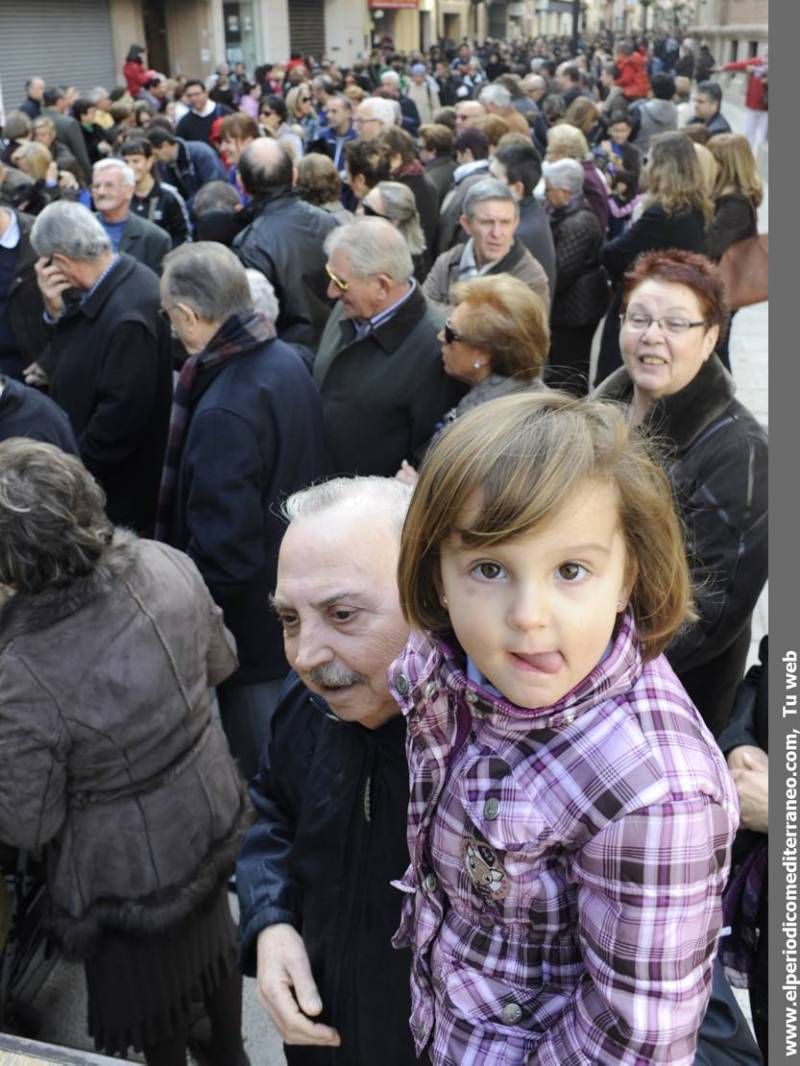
317, 907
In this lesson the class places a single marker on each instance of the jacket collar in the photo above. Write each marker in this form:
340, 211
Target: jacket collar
683, 416
93, 304
428, 662
29, 613
390, 334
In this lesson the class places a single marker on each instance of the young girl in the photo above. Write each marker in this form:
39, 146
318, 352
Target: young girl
570, 817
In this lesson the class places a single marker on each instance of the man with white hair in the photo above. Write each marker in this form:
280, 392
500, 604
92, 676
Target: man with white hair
373, 116
490, 221
314, 876
423, 91
246, 430
113, 186
390, 82
110, 359
497, 101
378, 367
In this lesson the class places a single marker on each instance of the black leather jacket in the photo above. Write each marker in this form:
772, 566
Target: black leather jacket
284, 241
331, 800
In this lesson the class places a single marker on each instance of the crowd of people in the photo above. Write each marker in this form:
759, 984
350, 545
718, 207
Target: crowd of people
309, 481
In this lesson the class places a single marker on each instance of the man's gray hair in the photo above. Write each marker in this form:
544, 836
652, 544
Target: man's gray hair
498, 95
69, 229
564, 174
385, 111
388, 494
263, 294
209, 278
487, 189
97, 94
373, 246
392, 76
128, 177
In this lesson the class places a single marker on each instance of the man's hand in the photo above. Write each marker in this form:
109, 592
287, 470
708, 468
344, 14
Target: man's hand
753, 788
52, 284
287, 990
35, 376
747, 757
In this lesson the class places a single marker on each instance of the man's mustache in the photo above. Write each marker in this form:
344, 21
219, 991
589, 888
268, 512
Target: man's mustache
332, 675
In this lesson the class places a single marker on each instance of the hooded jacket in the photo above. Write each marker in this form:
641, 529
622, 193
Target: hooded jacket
655, 116
110, 756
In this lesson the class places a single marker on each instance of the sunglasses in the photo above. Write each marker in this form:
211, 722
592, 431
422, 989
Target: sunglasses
305, 99
371, 212
450, 334
342, 286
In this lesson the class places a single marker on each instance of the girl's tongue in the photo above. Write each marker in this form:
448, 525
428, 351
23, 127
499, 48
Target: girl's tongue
549, 662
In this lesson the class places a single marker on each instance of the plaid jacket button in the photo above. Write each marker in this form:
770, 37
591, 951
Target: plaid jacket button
512, 1012
470, 697
402, 685
430, 690
431, 883
491, 809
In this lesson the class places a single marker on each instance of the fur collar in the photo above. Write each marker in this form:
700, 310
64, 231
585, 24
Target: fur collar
685, 415
27, 613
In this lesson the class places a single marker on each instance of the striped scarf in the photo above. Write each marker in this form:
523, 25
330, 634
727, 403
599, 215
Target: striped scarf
237, 335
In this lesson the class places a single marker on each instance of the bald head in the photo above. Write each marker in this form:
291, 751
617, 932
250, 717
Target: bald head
535, 86
468, 114
265, 167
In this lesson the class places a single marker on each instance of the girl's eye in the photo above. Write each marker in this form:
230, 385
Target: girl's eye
571, 571
488, 571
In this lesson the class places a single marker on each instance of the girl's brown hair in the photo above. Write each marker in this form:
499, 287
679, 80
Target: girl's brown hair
520, 458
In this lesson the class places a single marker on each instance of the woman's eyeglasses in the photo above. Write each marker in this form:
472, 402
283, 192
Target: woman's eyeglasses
637, 322
370, 212
450, 334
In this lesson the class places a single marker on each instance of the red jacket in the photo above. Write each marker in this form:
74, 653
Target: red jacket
633, 79
756, 97
136, 77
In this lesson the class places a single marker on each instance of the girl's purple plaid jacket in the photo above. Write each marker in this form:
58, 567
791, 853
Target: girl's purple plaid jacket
567, 864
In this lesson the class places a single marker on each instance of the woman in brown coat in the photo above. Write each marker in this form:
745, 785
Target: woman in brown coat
110, 761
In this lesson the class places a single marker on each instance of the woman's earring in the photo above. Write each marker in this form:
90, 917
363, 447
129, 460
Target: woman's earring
477, 364
444, 601
620, 606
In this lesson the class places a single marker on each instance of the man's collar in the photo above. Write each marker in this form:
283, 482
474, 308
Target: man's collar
392, 331
207, 110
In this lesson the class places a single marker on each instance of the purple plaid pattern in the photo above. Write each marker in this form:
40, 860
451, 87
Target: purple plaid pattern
237, 334
567, 864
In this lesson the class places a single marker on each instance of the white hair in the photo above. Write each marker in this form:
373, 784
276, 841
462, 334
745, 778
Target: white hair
392, 76
69, 229
400, 207
387, 493
373, 246
385, 111
128, 177
498, 95
564, 174
264, 298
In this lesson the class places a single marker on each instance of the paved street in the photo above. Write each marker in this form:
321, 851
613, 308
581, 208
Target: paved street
61, 1001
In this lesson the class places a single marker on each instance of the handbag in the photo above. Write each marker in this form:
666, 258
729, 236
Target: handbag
744, 270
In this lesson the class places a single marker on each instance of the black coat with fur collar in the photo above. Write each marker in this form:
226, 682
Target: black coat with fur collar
717, 462
108, 751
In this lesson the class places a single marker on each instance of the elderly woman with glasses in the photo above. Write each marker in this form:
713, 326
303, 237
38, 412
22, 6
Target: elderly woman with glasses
495, 341
300, 106
393, 201
275, 122
112, 762
716, 453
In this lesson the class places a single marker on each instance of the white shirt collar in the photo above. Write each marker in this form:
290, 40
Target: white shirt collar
11, 237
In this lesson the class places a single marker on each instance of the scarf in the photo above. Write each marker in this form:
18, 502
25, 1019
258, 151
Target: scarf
237, 335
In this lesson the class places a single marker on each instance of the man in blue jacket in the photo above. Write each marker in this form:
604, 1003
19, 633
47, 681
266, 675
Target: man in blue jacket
245, 431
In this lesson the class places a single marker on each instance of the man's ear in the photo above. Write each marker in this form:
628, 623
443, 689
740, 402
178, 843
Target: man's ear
465, 225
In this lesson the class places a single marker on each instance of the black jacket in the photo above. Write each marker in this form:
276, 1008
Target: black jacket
111, 373
145, 241
534, 232
330, 836
439, 173
716, 455
382, 396
426, 199
582, 293
254, 437
653, 231
734, 219
25, 306
284, 241
25, 412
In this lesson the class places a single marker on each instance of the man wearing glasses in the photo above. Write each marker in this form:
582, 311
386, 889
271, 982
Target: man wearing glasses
197, 122
373, 116
378, 367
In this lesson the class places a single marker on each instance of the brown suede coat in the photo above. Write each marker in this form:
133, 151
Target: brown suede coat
108, 752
